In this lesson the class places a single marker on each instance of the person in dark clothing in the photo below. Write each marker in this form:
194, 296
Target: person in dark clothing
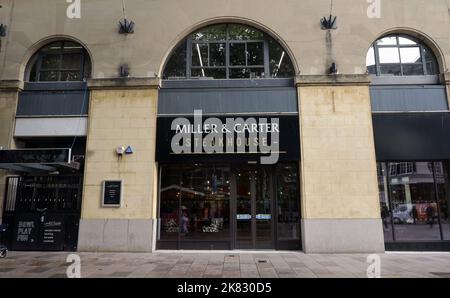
430, 215
415, 214
384, 214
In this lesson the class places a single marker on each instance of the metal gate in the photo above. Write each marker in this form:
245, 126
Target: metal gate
43, 212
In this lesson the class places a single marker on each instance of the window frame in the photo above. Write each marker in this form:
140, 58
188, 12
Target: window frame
190, 43
417, 44
36, 62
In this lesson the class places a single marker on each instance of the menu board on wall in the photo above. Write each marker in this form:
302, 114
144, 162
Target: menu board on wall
112, 193
52, 232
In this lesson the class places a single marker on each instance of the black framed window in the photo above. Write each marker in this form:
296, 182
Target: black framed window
195, 206
229, 51
228, 206
60, 61
415, 200
400, 55
288, 203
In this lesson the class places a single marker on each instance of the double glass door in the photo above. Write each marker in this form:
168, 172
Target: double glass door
254, 208
211, 206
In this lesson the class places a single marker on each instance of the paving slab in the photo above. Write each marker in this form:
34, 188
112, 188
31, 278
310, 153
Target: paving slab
235, 264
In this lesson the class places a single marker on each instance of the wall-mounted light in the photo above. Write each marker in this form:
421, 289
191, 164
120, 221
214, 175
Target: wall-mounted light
333, 70
124, 71
122, 150
3, 30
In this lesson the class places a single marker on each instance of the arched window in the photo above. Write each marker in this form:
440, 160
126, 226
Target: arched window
60, 61
229, 51
400, 55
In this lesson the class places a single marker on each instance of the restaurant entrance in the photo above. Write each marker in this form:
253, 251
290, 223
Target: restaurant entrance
254, 208
229, 206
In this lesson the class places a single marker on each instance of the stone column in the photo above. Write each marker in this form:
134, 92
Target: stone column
122, 112
9, 94
339, 189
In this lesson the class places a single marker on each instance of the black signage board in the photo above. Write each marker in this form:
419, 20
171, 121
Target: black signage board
51, 236
26, 232
412, 136
112, 193
35, 156
39, 231
288, 147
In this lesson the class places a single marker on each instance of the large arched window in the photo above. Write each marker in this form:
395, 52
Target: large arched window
229, 51
400, 55
60, 61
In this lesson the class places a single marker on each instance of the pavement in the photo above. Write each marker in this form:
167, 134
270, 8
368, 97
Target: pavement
230, 264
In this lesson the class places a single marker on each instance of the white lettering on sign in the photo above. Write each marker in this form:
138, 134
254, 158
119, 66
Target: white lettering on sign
24, 230
236, 135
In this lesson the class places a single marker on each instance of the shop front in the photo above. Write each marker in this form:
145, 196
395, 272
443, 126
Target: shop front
43, 197
228, 143
414, 179
209, 206
241, 194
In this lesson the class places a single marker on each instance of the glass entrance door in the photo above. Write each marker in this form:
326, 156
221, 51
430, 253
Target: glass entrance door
254, 220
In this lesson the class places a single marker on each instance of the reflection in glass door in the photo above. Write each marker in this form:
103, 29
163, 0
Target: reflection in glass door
254, 225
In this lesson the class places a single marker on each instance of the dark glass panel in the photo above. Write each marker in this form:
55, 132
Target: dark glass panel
215, 73
280, 64
176, 67
237, 54
217, 54
263, 208
169, 203
216, 32
288, 201
413, 200
47, 76
390, 69
430, 63
246, 73
412, 69
87, 66
443, 184
240, 32
70, 76
372, 70
50, 61
199, 54
384, 201
244, 215
255, 53
205, 203
33, 74
71, 61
